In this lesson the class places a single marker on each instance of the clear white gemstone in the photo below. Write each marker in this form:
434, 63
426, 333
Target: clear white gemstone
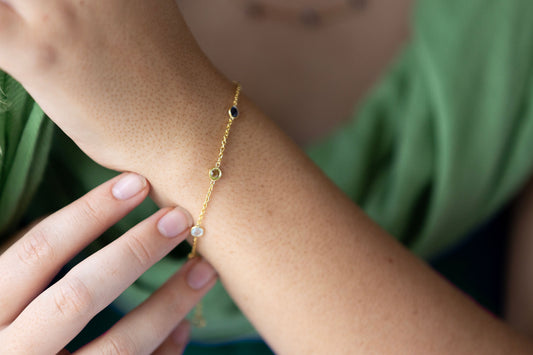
197, 231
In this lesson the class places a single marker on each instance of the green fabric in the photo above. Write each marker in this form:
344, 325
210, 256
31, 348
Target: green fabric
439, 145
25, 140
447, 138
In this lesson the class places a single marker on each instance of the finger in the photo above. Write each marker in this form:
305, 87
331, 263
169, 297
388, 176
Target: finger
19, 234
177, 341
146, 327
90, 286
32, 262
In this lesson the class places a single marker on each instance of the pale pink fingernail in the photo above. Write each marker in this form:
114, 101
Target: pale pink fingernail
181, 334
173, 223
200, 275
129, 186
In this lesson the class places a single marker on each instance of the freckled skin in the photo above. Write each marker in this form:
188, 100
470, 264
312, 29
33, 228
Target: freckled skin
126, 80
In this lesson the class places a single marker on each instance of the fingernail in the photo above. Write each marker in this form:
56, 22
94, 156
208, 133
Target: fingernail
173, 223
200, 274
181, 334
129, 186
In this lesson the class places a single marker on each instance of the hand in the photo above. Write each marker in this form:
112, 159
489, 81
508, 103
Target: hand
109, 73
39, 320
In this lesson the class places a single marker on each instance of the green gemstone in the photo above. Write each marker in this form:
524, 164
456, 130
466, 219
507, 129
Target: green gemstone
215, 174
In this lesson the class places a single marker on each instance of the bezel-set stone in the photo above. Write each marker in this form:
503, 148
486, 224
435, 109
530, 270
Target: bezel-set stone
197, 231
233, 112
215, 174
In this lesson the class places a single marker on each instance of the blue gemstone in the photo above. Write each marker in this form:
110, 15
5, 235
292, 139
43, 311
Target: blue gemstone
234, 112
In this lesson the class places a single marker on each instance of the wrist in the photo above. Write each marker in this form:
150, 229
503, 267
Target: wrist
182, 144
182, 126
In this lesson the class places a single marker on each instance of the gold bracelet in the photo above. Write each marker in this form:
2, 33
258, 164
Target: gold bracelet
214, 174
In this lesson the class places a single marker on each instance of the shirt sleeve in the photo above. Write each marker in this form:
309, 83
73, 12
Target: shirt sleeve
446, 138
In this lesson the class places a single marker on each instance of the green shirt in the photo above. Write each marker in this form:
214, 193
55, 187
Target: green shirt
442, 142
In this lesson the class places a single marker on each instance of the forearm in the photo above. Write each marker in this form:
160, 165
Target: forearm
312, 273
307, 267
519, 292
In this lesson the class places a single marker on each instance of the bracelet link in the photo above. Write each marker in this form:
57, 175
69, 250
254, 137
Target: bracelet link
215, 174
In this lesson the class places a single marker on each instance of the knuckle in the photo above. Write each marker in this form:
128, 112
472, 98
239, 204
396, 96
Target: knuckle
72, 298
35, 248
159, 331
181, 301
91, 210
59, 16
66, 14
179, 308
117, 345
58, 30
139, 250
45, 56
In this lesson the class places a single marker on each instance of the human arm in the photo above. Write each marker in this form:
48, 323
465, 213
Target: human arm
40, 319
282, 237
312, 273
519, 291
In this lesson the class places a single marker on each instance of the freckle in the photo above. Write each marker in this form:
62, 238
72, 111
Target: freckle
389, 259
269, 212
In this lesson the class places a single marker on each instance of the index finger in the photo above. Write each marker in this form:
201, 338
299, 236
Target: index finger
32, 262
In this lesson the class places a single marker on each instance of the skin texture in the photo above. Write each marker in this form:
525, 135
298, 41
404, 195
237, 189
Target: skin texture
30, 310
519, 306
308, 268
305, 79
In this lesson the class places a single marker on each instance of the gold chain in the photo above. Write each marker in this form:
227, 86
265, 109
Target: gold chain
214, 174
